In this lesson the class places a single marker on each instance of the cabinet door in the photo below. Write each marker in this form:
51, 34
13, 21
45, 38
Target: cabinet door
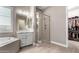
29, 39
26, 38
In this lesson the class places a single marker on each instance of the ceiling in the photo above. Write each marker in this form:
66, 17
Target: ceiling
42, 7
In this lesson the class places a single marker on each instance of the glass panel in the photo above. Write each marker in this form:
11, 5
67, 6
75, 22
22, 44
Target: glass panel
5, 11
5, 20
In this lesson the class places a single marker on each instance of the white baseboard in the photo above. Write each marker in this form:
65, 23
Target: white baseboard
59, 44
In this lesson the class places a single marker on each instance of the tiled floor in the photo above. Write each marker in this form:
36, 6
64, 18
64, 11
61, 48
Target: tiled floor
52, 48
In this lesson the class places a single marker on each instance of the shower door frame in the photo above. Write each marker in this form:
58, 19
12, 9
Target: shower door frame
49, 27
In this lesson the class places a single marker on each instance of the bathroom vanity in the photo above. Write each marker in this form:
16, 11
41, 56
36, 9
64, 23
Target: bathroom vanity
26, 38
24, 25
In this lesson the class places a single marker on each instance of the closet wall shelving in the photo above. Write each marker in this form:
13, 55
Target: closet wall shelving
73, 28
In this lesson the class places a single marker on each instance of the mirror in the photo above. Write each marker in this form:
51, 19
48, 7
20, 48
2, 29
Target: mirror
23, 23
24, 20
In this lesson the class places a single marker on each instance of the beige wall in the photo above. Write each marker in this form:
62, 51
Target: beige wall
58, 26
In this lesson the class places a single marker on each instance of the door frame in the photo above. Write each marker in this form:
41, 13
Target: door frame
67, 40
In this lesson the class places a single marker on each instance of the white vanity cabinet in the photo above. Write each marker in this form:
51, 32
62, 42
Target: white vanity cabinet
26, 38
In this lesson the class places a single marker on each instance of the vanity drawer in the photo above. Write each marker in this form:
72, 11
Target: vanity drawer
24, 35
30, 41
26, 38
